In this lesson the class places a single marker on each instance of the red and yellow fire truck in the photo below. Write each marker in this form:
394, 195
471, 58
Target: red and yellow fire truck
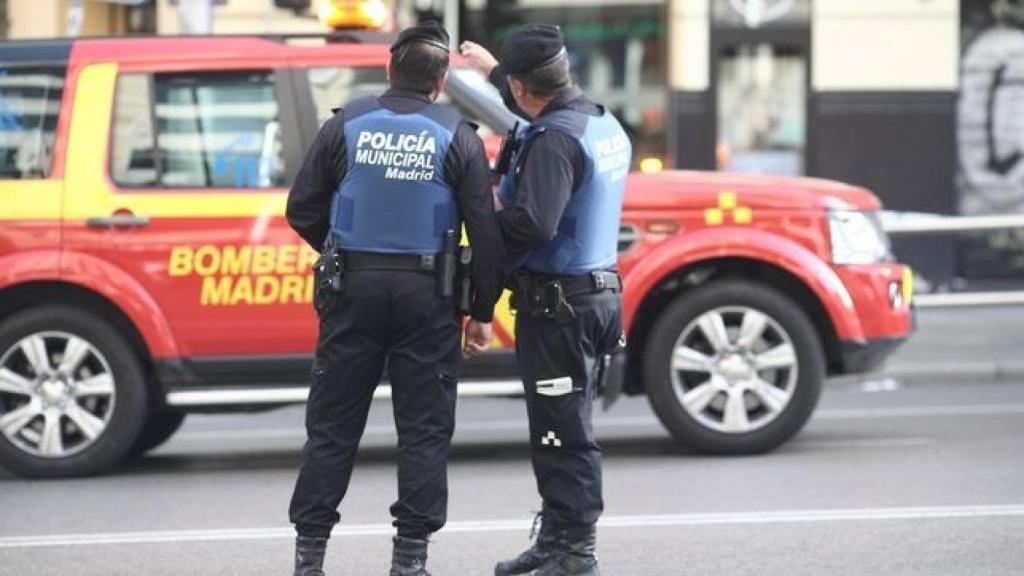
146, 268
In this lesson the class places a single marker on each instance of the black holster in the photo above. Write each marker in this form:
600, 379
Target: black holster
328, 271
612, 374
542, 298
447, 266
465, 280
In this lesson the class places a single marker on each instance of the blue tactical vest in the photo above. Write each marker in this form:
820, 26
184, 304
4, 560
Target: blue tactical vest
395, 197
587, 235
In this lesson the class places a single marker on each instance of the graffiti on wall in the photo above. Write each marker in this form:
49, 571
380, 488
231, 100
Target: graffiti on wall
991, 108
990, 132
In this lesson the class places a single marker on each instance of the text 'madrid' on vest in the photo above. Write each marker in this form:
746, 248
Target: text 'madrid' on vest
395, 197
588, 233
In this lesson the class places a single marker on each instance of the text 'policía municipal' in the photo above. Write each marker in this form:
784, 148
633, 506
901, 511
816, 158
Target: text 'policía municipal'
405, 156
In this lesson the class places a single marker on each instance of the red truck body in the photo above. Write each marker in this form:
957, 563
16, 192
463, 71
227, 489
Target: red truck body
210, 289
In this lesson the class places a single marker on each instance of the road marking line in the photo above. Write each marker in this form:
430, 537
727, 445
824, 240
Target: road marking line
624, 421
483, 526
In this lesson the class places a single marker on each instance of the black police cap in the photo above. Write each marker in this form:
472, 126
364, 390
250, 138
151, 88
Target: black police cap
428, 32
531, 47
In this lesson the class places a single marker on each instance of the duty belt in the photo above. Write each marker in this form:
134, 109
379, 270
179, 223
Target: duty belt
354, 261
446, 267
596, 281
548, 295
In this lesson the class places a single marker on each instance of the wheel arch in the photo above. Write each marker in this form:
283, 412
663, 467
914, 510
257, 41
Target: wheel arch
33, 294
694, 274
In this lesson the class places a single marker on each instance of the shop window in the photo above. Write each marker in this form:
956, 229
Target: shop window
746, 14
197, 130
616, 53
762, 108
29, 105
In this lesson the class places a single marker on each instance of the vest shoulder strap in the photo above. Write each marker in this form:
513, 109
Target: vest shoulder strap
570, 122
361, 106
447, 116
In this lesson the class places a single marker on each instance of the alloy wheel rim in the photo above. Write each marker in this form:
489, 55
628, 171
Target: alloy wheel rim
734, 369
57, 394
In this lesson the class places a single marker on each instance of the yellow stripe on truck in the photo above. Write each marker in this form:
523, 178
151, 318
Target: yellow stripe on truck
22, 200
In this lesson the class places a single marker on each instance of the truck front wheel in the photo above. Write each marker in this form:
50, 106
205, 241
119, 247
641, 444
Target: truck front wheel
72, 393
733, 367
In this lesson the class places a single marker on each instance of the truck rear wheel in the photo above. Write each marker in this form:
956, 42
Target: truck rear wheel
72, 393
733, 367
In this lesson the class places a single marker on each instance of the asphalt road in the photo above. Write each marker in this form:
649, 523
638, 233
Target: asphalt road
961, 346
911, 480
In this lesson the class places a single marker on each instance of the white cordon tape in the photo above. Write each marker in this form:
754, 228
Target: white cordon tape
897, 223
968, 299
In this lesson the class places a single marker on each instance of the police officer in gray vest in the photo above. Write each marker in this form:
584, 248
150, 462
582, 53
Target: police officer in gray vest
561, 205
383, 193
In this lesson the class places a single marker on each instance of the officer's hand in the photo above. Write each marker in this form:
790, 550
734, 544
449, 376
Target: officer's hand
478, 57
478, 338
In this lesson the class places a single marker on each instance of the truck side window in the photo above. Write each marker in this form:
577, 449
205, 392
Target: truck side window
334, 86
29, 104
197, 130
133, 155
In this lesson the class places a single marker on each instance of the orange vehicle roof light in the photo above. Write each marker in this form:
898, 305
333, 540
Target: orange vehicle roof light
354, 14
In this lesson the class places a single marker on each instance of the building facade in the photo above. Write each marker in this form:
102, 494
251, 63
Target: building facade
57, 18
891, 94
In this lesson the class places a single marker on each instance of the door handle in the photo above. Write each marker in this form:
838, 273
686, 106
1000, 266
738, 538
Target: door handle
118, 221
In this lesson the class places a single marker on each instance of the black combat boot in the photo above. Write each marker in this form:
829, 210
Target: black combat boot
533, 557
409, 557
309, 556
575, 553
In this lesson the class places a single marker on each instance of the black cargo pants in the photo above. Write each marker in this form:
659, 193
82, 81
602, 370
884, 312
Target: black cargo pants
559, 365
381, 318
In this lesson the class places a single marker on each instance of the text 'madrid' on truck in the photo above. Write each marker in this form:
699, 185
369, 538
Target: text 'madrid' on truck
147, 270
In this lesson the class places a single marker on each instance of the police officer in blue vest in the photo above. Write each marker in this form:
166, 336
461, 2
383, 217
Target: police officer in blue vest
561, 204
383, 193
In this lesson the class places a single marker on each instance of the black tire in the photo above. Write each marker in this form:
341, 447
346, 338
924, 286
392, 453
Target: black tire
810, 364
127, 416
159, 428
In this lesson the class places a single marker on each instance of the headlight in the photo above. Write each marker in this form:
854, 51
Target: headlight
858, 238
